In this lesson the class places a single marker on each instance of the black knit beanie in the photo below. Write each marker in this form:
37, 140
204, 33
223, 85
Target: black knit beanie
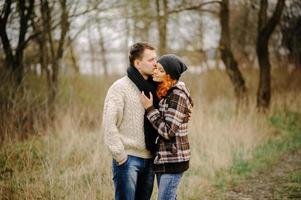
172, 65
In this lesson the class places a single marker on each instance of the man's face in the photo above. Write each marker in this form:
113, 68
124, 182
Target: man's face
147, 63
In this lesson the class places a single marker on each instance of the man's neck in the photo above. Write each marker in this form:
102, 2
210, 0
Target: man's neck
143, 75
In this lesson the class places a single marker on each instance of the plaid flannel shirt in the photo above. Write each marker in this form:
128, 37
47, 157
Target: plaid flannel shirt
171, 121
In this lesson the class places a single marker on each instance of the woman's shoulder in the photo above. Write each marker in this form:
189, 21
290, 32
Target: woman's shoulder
180, 89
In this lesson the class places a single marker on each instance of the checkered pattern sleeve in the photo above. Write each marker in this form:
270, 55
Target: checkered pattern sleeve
167, 123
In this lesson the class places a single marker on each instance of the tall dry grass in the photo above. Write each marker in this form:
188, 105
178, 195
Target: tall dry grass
71, 162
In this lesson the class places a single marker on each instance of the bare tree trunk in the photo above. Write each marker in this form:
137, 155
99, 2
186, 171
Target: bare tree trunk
128, 33
40, 31
103, 51
56, 54
47, 22
104, 62
291, 33
162, 20
92, 52
9, 57
73, 58
43, 52
265, 28
243, 38
14, 63
228, 57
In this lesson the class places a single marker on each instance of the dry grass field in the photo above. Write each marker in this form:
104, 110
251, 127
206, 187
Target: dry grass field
70, 161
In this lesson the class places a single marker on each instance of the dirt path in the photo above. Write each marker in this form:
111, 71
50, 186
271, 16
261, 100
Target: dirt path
282, 181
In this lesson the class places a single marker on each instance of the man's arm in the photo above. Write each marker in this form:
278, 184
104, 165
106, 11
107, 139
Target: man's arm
112, 117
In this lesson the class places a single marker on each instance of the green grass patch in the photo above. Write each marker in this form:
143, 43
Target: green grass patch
265, 155
295, 176
291, 188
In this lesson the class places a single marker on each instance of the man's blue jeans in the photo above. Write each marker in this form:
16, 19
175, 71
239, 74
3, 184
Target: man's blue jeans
168, 185
134, 179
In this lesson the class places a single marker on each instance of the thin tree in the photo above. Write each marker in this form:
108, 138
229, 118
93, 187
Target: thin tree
73, 57
103, 50
56, 53
14, 57
228, 57
291, 32
264, 30
224, 46
162, 20
92, 50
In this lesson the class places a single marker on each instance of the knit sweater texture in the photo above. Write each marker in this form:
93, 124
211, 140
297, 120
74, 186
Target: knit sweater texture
123, 116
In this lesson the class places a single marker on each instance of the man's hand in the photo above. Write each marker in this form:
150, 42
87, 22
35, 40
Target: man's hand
147, 102
122, 162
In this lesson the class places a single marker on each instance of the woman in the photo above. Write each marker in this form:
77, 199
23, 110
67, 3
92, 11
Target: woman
170, 121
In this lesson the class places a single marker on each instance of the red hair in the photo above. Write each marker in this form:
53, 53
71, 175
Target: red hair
165, 85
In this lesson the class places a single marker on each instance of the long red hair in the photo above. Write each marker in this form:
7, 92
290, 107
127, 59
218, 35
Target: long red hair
165, 85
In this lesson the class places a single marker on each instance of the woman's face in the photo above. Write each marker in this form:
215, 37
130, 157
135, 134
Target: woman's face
159, 73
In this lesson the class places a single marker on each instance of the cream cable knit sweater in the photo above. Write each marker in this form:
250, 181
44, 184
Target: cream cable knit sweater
123, 117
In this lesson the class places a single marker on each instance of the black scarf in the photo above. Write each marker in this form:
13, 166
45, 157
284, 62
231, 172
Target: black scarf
150, 134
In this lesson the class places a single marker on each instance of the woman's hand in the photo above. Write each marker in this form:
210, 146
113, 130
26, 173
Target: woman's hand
147, 102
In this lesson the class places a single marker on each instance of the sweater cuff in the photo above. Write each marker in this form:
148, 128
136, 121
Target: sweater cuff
120, 157
150, 109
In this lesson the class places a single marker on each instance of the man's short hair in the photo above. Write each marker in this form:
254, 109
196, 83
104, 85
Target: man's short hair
137, 49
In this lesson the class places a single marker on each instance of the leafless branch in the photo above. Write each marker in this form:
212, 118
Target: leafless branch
195, 7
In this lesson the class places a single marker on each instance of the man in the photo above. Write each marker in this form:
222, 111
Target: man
128, 134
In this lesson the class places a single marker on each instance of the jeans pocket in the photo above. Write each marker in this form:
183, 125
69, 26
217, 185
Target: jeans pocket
124, 164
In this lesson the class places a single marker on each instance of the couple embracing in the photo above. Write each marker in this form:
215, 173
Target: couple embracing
145, 121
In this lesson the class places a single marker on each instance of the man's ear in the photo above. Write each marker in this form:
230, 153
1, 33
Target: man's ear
137, 63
